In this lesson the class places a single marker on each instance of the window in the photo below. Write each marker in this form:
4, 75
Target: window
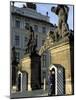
26, 39
44, 60
17, 24
17, 56
35, 28
27, 26
17, 40
43, 30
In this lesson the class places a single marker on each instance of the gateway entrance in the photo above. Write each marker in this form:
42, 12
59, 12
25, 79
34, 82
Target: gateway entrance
57, 79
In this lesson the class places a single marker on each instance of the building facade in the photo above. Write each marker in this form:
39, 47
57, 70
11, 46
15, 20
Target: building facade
21, 19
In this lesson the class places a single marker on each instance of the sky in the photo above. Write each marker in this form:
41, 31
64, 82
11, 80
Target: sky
43, 8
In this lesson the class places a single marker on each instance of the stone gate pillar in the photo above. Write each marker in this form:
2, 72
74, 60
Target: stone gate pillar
31, 64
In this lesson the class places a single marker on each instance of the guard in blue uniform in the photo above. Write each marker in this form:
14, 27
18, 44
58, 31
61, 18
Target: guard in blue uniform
51, 83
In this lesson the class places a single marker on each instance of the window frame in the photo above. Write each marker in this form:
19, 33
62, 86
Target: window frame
17, 25
27, 25
17, 40
43, 29
44, 61
36, 28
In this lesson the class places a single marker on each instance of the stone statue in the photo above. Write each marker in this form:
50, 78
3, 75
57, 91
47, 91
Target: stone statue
32, 43
60, 31
14, 60
62, 12
54, 36
14, 66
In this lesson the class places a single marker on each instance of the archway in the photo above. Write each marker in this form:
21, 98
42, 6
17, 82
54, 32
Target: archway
53, 81
57, 79
19, 81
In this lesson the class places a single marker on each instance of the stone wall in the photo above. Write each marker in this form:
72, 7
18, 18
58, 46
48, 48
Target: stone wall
62, 54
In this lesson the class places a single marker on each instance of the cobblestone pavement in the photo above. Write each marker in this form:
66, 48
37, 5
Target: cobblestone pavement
34, 93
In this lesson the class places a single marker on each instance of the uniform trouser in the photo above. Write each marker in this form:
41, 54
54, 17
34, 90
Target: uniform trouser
50, 89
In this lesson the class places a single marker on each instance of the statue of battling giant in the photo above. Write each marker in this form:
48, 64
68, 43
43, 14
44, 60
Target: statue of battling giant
63, 29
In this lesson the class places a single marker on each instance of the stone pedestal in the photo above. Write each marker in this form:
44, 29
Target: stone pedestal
62, 52
32, 66
44, 84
